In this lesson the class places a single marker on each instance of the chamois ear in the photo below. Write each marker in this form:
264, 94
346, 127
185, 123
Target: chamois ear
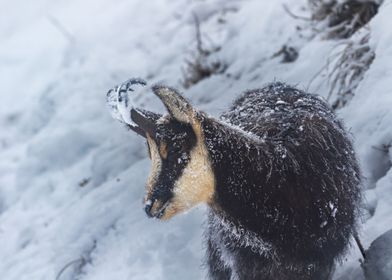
178, 107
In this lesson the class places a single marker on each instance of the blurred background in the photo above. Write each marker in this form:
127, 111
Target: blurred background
72, 178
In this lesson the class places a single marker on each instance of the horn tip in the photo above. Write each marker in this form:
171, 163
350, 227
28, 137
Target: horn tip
160, 89
137, 81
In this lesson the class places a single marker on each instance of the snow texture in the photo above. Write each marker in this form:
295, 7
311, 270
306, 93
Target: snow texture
225, 229
72, 179
378, 264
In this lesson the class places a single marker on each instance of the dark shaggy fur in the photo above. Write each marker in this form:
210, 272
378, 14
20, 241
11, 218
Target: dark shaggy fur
287, 187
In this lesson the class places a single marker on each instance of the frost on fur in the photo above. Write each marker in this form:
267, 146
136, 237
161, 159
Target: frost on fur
278, 173
121, 100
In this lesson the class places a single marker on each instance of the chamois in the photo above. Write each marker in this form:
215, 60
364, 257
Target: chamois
278, 173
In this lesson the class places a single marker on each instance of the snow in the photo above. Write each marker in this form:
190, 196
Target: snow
121, 100
72, 179
378, 264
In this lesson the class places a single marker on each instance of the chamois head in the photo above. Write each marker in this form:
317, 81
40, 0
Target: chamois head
181, 174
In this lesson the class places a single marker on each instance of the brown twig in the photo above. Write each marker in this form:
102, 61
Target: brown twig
198, 35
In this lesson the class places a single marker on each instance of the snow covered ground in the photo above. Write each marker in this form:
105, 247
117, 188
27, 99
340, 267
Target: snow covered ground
72, 178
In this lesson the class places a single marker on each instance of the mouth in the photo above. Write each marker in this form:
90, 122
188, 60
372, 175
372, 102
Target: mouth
155, 208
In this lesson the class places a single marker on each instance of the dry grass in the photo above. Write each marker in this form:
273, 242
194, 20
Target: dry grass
202, 63
345, 20
345, 69
349, 69
342, 19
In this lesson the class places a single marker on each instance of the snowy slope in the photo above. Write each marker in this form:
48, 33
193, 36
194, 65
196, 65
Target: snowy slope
71, 178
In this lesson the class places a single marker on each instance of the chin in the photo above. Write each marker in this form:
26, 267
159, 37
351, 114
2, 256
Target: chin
172, 210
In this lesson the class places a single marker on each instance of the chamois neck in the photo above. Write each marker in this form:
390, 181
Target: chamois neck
240, 165
224, 141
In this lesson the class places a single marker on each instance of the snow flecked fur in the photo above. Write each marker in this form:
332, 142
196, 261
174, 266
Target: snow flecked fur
278, 172
287, 187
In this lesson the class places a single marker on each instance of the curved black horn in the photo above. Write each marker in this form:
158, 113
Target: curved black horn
122, 109
145, 121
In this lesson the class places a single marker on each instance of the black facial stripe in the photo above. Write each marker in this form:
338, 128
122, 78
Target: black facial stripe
180, 140
172, 169
161, 193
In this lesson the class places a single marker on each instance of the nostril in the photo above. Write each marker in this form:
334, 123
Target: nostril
148, 207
